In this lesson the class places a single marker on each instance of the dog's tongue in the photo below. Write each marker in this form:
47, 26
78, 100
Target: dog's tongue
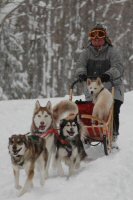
16, 151
71, 133
42, 127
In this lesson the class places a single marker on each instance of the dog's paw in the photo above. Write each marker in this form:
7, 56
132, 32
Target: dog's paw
46, 176
77, 166
31, 186
18, 187
22, 192
25, 189
42, 181
61, 172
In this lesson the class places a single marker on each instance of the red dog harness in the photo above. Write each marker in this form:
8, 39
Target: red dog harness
52, 131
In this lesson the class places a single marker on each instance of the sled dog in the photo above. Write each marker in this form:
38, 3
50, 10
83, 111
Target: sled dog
102, 99
68, 110
43, 121
72, 150
24, 154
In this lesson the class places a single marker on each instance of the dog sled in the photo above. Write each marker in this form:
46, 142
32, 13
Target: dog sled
100, 131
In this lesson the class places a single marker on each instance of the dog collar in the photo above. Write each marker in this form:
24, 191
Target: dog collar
99, 92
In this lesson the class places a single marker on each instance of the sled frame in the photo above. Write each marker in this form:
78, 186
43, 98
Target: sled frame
104, 128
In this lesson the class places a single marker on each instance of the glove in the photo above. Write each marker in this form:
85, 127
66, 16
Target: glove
82, 77
105, 77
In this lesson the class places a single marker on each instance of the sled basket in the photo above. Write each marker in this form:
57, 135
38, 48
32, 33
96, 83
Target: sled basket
98, 130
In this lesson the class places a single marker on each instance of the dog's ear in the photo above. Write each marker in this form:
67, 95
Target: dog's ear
9, 141
25, 140
98, 81
88, 81
63, 123
49, 106
77, 118
11, 138
37, 106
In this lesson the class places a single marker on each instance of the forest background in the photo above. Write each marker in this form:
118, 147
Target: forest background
40, 43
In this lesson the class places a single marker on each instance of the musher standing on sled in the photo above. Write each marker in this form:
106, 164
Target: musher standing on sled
100, 59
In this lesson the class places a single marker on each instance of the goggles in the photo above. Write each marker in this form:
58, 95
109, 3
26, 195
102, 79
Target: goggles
97, 34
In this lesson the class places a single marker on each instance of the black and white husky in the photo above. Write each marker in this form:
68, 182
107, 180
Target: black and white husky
71, 151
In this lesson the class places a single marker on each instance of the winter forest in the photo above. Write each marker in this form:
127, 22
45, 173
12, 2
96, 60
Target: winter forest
41, 40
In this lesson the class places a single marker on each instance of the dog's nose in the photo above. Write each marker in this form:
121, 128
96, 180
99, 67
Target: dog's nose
91, 92
42, 123
14, 147
71, 129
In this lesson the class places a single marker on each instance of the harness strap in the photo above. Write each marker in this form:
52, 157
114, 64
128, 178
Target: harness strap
52, 131
99, 92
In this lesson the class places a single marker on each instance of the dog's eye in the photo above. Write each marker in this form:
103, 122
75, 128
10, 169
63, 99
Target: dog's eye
19, 142
39, 115
74, 124
46, 115
67, 125
95, 88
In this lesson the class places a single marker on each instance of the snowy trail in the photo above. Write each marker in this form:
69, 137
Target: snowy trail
99, 178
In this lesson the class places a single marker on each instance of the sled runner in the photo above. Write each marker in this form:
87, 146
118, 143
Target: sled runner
100, 131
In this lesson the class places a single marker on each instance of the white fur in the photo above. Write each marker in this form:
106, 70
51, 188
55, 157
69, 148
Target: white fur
43, 121
102, 99
73, 161
51, 151
70, 127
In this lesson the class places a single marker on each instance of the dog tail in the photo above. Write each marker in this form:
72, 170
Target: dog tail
64, 109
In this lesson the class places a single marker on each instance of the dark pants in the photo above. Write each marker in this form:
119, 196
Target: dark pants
117, 105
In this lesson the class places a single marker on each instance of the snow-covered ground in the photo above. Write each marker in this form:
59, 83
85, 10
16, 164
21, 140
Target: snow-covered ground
100, 177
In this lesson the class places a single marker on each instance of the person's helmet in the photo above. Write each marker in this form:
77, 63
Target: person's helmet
102, 32
99, 26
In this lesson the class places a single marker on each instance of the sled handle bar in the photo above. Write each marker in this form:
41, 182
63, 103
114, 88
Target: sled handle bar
71, 89
74, 83
78, 80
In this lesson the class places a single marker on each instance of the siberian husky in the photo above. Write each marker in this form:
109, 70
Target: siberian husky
102, 99
66, 109
24, 154
43, 121
72, 150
